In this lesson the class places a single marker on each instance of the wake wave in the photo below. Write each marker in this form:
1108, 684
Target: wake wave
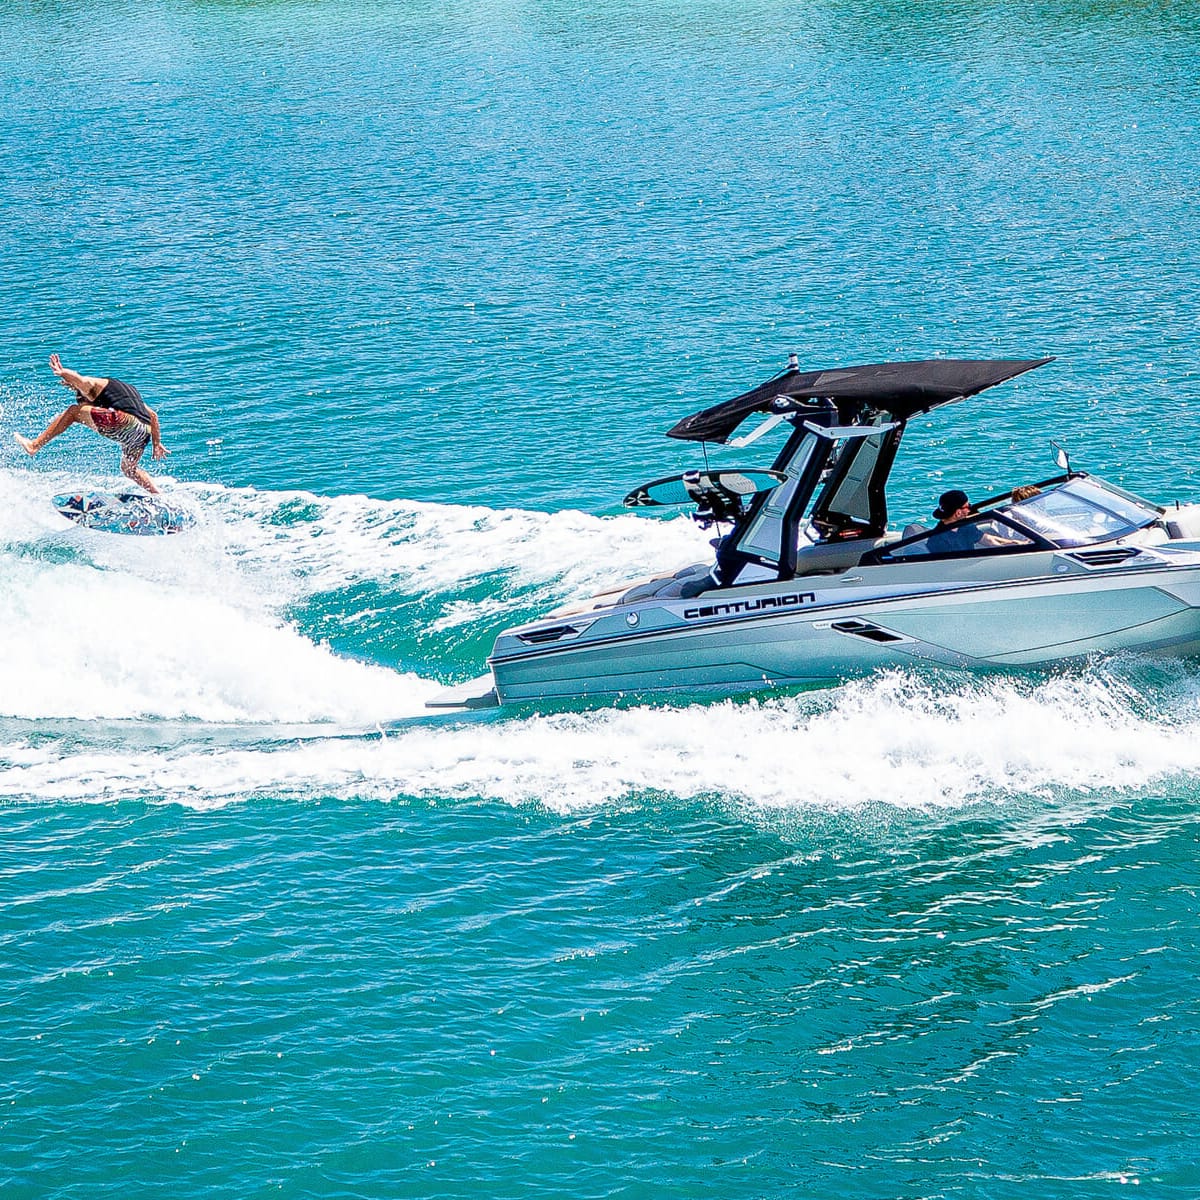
203, 628
203, 625
893, 740
78, 642
421, 548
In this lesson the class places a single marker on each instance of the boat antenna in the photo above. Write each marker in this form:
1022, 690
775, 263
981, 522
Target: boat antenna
716, 520
712, 518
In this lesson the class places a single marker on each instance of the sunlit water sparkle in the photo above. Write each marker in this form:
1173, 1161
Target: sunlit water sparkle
416, 292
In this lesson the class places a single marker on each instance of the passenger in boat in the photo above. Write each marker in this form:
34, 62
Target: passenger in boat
1025, 492
112, 409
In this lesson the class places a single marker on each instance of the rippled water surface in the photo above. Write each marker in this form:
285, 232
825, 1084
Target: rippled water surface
416, 290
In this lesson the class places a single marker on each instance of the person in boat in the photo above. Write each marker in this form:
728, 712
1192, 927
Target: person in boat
948, 536
112, 409
951, 536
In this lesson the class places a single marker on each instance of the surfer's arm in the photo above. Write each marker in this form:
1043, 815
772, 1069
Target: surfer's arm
86, 385
160, 451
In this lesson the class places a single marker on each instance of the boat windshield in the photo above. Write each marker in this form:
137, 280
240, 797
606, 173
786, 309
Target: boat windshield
1081, 512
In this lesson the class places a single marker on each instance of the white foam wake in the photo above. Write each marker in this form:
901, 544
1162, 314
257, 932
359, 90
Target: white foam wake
93, 625
196, 626
323, 543
79, 642
893, 740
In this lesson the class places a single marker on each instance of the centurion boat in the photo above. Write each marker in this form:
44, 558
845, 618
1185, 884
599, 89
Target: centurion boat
808, 586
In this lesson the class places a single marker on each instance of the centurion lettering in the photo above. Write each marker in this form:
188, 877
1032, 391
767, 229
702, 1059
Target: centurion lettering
759, 604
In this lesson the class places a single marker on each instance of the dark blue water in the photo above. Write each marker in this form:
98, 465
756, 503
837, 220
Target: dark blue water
415, 290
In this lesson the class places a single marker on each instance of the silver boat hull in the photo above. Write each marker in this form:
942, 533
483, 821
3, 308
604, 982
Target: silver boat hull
793, 635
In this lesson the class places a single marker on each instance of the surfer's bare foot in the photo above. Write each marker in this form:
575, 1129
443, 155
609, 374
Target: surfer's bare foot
26, 444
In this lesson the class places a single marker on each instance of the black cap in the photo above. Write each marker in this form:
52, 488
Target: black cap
949, 503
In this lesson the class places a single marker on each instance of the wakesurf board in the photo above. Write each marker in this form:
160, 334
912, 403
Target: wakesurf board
136, 513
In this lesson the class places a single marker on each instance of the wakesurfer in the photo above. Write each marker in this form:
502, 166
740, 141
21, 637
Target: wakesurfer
112, 409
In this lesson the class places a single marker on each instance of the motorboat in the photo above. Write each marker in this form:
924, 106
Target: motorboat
809, 586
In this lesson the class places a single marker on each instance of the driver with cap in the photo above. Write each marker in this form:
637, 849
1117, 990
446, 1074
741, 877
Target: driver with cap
950, 536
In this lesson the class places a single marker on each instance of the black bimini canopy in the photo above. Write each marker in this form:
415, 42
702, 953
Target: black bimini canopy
900, 389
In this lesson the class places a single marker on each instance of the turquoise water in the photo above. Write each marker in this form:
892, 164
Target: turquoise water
416, 290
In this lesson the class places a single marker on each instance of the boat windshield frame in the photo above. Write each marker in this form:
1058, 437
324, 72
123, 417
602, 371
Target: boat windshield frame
1112, 512
1057, 515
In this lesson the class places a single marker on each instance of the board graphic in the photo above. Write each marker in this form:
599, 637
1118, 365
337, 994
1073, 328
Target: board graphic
124, 512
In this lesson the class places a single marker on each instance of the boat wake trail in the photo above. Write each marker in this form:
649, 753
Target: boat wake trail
174, 670
894, 741
92, 626
280, 607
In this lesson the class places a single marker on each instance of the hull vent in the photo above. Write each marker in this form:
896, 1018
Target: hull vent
1108, 557
864, 629
555, 633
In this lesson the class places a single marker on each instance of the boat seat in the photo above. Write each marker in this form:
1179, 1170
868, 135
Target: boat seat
1183, 522
830, 558
685, 583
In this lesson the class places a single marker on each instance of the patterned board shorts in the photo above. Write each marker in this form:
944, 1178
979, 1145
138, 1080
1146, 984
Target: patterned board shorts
122, 427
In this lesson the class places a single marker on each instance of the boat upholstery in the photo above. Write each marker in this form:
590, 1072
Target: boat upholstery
1183, 522
829, 558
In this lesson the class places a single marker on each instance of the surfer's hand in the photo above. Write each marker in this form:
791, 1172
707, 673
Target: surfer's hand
160, 451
